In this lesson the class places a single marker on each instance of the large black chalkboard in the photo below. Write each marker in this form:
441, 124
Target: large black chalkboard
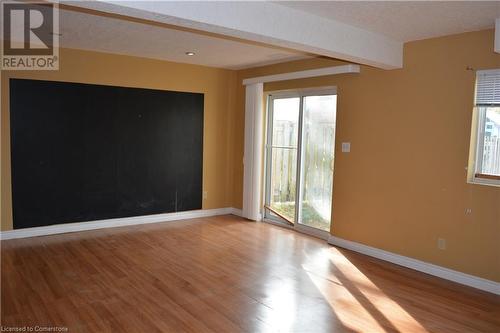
83, 152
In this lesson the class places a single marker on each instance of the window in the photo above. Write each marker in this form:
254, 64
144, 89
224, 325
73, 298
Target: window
486, 129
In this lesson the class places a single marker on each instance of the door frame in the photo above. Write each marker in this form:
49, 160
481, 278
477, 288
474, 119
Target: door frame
293, 93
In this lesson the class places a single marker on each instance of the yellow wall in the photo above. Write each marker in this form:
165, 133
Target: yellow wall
404, 183
218, 85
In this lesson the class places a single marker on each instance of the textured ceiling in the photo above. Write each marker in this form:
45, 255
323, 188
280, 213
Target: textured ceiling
401, 21
112, 35
407, 20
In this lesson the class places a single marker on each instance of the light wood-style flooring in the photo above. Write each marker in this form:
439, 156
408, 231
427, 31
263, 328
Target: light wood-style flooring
224, 274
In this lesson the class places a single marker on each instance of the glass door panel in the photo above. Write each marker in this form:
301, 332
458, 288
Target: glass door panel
318, 146
282, 157
299, 160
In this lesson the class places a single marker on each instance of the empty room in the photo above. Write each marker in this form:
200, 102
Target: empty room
250, 166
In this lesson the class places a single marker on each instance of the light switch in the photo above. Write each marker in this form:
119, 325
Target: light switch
346, 147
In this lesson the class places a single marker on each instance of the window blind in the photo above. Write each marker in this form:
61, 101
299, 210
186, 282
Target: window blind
488, 87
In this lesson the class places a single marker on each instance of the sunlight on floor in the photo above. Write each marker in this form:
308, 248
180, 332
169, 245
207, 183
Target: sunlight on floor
349, 311
356, 300
280, 308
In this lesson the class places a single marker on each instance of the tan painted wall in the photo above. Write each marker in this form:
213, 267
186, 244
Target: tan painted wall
218, 85
404, 183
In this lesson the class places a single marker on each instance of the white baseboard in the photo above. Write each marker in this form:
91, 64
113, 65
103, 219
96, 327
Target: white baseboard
110, 223
237, 212
442, 272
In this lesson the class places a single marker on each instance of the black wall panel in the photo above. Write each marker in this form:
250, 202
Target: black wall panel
83, 152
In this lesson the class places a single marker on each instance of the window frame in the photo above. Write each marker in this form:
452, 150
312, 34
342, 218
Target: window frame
475, 176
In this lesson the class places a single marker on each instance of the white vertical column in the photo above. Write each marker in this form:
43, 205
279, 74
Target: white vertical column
252, 158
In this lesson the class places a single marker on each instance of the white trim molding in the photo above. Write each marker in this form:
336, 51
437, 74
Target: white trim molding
118, 222
236, 211
421, 266
324, 71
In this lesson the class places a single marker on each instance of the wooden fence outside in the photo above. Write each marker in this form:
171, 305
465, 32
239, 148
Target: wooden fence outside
318, 163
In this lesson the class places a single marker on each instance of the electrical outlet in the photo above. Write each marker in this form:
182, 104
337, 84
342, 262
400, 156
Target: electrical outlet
468, 211
205, 195
441, 244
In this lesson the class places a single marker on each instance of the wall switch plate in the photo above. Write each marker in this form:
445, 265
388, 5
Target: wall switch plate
205, 195
346, 147
441, 244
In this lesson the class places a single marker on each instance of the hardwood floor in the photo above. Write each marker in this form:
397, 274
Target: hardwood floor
224, 274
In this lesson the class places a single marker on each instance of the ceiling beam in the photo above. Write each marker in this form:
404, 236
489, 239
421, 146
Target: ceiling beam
334, 70
268, 23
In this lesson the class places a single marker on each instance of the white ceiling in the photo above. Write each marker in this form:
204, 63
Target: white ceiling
379, 24
112, 35
406, 20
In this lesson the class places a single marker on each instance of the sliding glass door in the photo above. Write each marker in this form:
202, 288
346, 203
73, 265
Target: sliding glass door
300, 159
282, 153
